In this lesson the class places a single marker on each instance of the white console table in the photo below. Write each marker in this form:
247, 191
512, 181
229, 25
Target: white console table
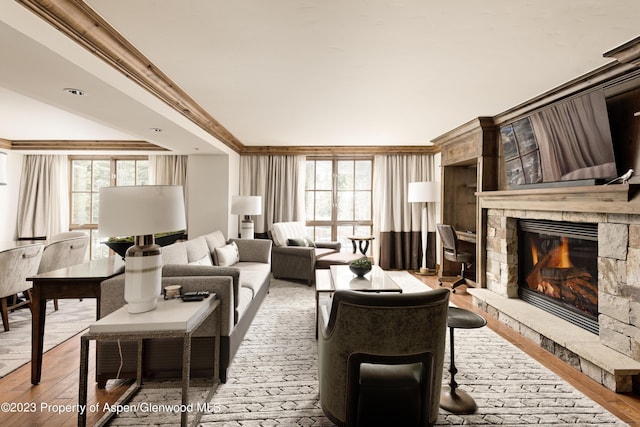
171, 319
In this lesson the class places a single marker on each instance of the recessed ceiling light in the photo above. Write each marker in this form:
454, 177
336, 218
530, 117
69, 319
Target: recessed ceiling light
156, 129
76, 92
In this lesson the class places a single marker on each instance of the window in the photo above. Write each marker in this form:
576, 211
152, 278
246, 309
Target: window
88, 175
338, 198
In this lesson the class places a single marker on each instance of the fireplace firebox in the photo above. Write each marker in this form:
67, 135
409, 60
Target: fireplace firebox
558, 269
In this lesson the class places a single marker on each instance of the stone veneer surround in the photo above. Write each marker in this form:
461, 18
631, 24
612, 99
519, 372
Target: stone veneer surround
618, 282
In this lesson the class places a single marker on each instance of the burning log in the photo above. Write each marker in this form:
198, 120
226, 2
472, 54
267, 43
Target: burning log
555, 276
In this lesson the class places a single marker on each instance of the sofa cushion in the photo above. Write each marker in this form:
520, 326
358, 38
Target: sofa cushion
197, 249
227, 255
245, 296
175, 253
205, 260
215, 240
282, 231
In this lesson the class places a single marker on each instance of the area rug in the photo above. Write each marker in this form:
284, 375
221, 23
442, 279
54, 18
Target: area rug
72, 317
273, 380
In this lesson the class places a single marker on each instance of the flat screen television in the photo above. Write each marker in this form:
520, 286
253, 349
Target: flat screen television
569, 141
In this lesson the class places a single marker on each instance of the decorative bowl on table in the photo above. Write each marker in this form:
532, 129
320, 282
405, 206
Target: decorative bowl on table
360, 266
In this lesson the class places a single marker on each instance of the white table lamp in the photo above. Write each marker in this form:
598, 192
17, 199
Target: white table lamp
141, 211
424, 192
247, 206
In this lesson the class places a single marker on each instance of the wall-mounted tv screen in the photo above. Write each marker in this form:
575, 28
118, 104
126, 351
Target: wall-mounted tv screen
568, 141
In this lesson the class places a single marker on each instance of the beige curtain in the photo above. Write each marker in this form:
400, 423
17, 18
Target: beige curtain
280, 182
397, 223
168, 170
43, 202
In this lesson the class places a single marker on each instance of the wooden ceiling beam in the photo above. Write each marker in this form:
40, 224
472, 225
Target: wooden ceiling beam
82, 24
61, 145
340, 150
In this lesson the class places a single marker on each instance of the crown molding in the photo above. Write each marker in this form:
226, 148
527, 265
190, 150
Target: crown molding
340, 150
85, 145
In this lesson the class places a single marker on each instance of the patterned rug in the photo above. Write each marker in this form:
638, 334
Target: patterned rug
273, 378
72, 317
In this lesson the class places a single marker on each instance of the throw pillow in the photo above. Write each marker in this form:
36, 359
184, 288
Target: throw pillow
227, 255
296, 242
310, 242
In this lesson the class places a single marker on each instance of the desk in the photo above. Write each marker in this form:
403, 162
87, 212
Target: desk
171, 319
77, 281
467, 236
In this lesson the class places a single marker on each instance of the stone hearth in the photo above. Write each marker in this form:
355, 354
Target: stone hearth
613, 357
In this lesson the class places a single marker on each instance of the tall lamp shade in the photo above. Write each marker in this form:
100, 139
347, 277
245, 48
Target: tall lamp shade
424, 192
247, 206
141, 211
3, 168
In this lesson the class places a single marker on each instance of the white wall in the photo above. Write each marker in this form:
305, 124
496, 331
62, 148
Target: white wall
211, 180
9, 197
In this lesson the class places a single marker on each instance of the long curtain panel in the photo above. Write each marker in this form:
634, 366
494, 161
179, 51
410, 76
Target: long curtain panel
279, 179
170, 170
397, 223
43, 202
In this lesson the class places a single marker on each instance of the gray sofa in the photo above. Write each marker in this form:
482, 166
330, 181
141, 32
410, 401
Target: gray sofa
238, 272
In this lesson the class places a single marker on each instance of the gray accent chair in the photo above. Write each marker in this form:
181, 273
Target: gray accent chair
381, 357
300, 262
16, 265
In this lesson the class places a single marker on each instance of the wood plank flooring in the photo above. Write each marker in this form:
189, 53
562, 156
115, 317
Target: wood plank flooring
60, 372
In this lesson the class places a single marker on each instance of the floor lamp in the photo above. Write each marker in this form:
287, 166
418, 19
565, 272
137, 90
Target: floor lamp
424, 192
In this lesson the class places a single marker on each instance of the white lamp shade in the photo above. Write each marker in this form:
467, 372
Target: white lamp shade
3, 168
424, 191
141, 210
246, 205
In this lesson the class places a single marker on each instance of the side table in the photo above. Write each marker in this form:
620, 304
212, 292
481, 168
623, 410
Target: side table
171, 319
451, 398
362, 243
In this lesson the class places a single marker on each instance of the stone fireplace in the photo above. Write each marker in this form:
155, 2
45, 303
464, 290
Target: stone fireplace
611, 355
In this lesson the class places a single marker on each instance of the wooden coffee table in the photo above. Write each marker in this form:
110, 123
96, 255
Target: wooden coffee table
339, 277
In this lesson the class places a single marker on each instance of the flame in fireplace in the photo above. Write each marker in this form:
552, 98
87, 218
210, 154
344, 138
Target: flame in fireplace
564, 261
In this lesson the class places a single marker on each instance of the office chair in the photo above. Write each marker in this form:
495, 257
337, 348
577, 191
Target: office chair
452, 253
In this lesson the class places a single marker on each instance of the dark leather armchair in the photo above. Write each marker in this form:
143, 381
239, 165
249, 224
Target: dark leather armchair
381, 357
452, 252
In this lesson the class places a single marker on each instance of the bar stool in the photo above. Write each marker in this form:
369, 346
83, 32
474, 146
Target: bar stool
451, 398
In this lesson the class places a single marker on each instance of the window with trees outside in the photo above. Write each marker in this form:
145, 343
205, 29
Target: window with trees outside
88, 175
338, 198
